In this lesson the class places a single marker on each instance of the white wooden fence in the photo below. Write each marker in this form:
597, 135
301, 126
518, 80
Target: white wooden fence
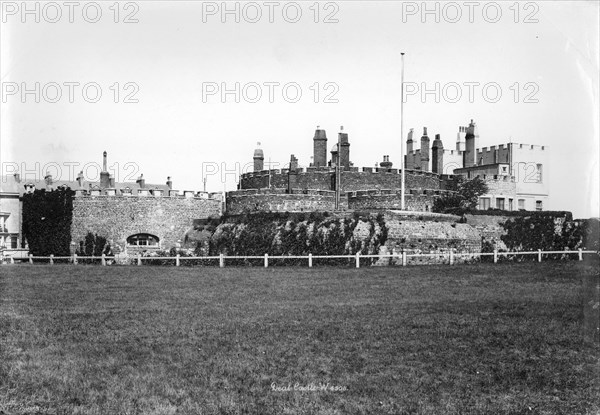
400, 257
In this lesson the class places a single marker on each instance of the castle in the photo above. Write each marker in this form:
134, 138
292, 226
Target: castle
513, 172
149, 216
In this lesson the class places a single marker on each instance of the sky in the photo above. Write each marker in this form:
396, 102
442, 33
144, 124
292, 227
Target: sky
154, 83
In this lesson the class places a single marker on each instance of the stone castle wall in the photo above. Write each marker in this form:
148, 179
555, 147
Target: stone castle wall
303, 200
118, 217
278, 200
353, 179
431, 235
421, 201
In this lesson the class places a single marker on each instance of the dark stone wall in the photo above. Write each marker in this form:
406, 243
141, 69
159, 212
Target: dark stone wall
391, 200
118, 217
353, 179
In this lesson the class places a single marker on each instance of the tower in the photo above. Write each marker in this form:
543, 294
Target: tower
437, 155
259, 158
319, 148
425, 150
471, 141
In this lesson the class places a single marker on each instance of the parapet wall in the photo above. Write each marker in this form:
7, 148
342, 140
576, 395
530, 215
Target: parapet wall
353, 179
307, 200
277, 200
118, 217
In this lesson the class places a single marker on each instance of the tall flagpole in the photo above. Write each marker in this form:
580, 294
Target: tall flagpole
402, 164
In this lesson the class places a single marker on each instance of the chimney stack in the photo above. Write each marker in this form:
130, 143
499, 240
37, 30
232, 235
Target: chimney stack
48, 180
471, 142
80, 179
259, 158
409, 160
425, 151
386, 163
437, 156
320, 148
104, 175
292, 174
344, 152
141, 181
460, 138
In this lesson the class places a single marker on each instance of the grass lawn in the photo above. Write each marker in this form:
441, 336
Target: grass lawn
470, 339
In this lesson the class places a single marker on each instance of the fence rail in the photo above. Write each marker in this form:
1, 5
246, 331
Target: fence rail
402, 256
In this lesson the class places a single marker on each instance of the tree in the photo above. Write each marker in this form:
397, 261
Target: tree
47, 217
465, 199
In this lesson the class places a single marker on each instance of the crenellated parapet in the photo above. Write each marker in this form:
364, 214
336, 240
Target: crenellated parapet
147, 193
352, 179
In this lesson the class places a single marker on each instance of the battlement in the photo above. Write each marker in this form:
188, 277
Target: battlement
453, 152
312, 170
146, 193
280, 191
515, 146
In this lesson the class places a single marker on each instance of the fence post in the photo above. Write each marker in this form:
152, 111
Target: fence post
310, 260
103, 261
51, 259
74, 258
580, 254
403, 258
31, 258
139, 259
266, 260
177, 260
12, 260
451, 256
221, 261
495, 255
539, 255
357, 260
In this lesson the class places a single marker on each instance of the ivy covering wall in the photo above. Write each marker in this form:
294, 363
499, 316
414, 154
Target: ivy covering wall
290, 234
549, 231
47, 217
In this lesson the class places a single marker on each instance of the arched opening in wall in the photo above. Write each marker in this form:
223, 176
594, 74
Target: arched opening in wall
143, 239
